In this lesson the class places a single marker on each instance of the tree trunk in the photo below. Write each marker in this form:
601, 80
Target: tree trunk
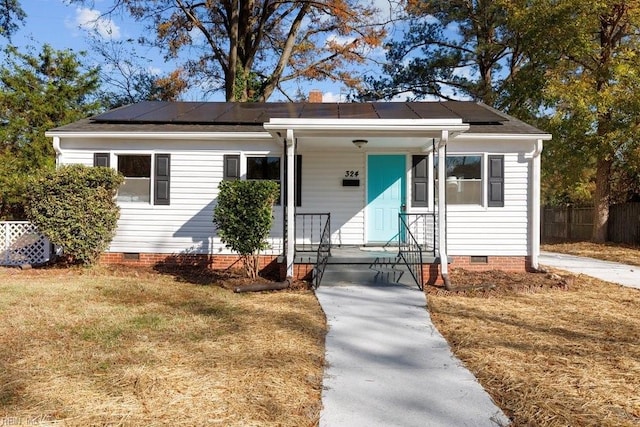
601, 201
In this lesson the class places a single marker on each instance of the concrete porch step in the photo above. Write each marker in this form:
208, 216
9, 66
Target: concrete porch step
367, 274
308, 258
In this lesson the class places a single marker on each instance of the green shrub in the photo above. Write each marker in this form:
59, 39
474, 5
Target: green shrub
243, 217
74, 207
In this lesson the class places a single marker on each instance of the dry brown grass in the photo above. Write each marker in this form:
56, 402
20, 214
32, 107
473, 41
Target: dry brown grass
605, 251
550, 356
131, 347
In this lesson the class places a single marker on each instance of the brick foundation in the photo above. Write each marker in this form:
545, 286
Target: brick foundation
269, 265
512, 264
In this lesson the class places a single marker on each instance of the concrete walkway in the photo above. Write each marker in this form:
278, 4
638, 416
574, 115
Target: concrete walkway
623, 274
387, 365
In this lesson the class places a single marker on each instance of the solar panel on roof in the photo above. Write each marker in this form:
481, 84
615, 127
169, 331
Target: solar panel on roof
394, 110
207, 112
242, 113
170, 112
356, 111
320, 111
472, 112
289, 110
432, 110
129, 112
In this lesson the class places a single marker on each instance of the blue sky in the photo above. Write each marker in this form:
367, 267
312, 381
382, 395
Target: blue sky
66, 26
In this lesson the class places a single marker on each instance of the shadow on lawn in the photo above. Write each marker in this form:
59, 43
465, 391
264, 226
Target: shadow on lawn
196, 269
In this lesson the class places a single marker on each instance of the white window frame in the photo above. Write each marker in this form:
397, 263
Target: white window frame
483, 179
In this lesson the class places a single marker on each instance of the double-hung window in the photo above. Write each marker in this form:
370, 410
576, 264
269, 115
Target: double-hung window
146, 176
136, 170
465, 182
262, 168
463, 179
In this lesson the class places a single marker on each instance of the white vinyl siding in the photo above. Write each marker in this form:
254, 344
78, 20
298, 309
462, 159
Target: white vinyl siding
185, 226
494, 231
322, 191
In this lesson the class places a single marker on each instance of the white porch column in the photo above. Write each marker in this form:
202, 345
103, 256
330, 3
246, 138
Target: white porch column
290, 203
535, 204
442, 202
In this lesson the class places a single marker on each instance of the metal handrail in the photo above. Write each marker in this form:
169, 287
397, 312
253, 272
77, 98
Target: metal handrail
309, 230
324, 252
410, 251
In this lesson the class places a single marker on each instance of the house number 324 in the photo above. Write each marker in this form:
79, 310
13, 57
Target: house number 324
351, 174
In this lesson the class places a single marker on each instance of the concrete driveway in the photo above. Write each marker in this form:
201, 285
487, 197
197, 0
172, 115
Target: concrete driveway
387, 365
623, 274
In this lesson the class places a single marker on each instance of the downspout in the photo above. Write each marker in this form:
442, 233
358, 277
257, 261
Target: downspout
290, 204
442, 208
535, 204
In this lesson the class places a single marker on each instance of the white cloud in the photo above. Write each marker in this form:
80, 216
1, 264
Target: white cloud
334, 97
91, 20
339, 40
154, 70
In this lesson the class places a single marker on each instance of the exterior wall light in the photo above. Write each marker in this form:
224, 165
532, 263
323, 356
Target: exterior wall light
359, 142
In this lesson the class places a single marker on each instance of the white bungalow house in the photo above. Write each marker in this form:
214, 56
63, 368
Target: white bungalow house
373, 168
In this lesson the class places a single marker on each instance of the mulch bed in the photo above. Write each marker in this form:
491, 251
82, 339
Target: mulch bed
497, 282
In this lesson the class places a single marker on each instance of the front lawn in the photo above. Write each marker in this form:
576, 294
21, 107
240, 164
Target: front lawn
137, 347
564, 354
616, 252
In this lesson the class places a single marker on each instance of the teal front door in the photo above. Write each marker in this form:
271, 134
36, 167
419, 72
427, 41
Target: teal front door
386, 193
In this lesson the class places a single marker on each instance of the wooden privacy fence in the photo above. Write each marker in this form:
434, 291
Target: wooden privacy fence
572, 223
21, 243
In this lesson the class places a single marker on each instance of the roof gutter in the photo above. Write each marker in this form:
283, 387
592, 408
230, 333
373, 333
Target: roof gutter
162, 135
506, 136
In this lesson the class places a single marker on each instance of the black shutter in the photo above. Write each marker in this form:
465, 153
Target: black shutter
496, 181
298, 185
101, 159
419, 181
232, 166
162, 178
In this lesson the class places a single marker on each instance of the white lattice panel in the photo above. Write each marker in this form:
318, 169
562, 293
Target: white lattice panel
20, 243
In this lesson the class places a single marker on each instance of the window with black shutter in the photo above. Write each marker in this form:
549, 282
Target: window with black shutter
419, 181
101, 159
232, 166
162, 178
496, 181
298, 180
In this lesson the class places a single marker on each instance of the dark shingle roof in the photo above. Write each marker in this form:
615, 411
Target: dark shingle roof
156, 116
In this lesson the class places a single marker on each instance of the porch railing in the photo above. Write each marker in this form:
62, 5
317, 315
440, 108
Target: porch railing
422, 227
21, 243
313, 236
309, 230
324, 252
410, 251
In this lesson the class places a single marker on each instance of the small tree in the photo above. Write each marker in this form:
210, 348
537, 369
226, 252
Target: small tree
74, 207
243, 217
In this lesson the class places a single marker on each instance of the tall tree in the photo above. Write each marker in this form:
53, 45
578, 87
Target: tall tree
595, 86
11, 15
126, 77
250, 47
454, 49
37, 92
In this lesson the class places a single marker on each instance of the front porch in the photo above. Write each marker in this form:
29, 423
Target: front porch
412, 249
376, 178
